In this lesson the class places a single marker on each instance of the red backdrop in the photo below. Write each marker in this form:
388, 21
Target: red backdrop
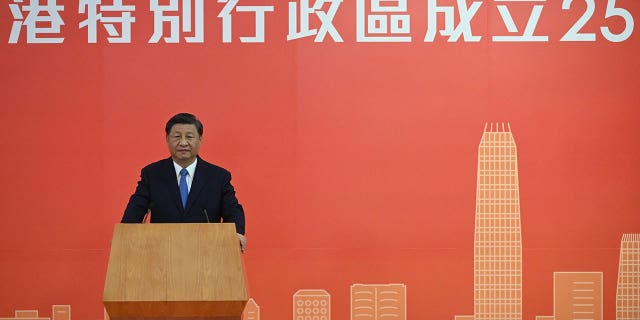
355, 162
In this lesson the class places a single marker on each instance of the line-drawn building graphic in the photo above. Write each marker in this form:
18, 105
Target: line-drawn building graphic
311, 304
497, 263
628, 291
577, 295
251, 311
378, 301
26, 315
58, 312
61, 312
497, 241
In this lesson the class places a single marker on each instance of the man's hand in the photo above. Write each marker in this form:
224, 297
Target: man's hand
243, 242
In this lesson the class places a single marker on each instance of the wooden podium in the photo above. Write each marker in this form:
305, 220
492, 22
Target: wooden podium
175, 270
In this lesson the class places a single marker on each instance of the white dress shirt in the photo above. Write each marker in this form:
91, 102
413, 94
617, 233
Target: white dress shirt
191, 170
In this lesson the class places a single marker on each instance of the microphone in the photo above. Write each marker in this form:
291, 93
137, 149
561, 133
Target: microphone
206, 215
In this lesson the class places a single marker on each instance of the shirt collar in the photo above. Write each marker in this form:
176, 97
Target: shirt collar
191, 169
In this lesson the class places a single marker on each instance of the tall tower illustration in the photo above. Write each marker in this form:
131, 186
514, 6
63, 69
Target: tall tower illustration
628, 292
497, 242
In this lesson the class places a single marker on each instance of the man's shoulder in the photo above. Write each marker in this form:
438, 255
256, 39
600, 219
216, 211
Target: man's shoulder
160, 164
167, 163
208, 166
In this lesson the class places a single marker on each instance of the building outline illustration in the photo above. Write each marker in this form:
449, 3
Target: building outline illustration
497, 267
251, 310
577, 295
628, 288
58, 312
378, 301
497, 256
311, 304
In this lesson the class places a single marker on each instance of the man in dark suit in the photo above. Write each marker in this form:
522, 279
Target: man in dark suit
185, 188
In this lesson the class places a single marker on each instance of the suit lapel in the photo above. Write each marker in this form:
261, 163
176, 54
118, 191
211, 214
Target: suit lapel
171, 183
199, 180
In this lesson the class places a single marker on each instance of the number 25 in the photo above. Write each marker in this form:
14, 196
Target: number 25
574, 35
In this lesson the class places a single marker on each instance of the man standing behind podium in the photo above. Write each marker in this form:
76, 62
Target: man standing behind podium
185, 188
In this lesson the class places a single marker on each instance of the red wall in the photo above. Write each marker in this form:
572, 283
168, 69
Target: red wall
355, 162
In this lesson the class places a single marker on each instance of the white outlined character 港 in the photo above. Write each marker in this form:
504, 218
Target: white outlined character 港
37, 15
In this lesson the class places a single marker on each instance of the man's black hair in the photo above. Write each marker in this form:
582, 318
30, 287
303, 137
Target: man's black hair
183, 118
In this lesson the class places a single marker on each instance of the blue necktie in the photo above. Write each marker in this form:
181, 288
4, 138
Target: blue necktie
184, 189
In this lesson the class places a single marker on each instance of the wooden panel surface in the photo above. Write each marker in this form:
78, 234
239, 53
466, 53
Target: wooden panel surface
175, 270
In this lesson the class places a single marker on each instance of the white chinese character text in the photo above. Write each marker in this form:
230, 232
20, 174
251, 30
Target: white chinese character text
51, 18
463, 27
225, 15
159, 19
512, 28
124, 19
379, 25
305, 11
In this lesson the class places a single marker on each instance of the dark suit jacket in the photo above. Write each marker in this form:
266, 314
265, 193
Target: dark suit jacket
211, 190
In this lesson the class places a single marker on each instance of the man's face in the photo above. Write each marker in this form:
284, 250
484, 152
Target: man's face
184, 142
